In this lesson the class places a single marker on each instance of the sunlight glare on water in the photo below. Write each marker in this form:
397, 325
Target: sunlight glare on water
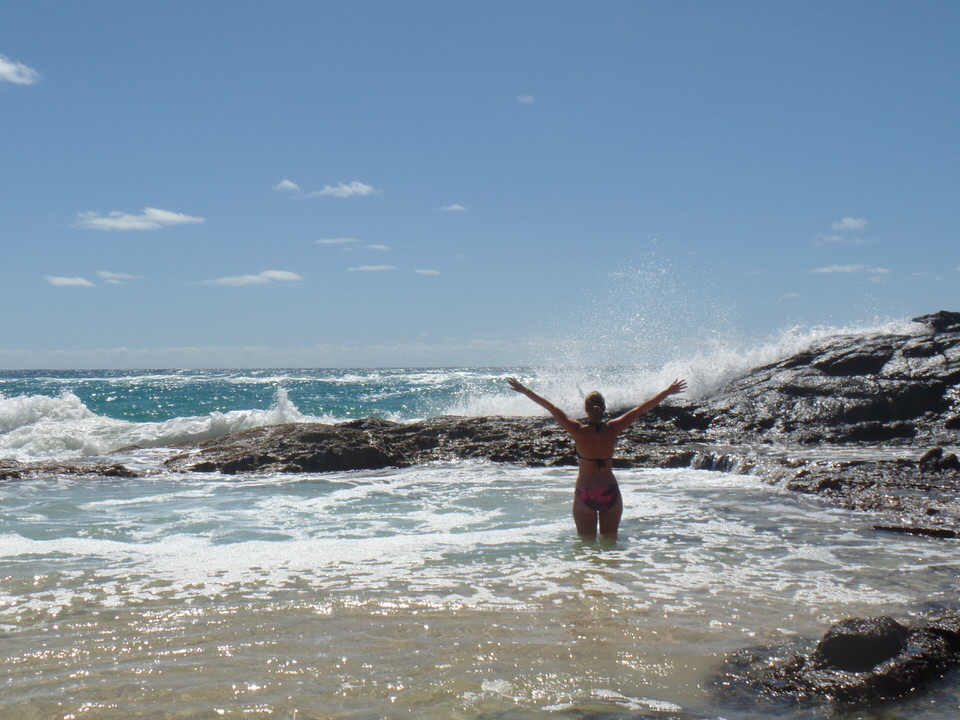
450, 590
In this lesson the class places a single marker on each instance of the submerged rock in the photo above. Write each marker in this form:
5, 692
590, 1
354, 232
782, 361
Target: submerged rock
860, 661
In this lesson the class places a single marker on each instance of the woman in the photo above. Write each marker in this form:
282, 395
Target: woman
597, 495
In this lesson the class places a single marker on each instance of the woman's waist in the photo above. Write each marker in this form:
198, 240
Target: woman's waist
595, 479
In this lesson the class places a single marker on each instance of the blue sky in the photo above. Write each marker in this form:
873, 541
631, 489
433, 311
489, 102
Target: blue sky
392, 183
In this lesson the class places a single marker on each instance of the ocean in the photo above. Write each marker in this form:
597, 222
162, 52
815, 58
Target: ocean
449, 590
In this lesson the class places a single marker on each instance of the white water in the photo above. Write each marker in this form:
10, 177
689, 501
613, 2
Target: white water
432, 592
57, 425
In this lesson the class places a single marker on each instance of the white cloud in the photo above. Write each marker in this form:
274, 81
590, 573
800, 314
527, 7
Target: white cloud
265, 278
378, 247
68, 281
526, 99
454, 208
790, 296
287, 186
851, 269
372, 268
16, 72
336, 241
112, 278
149, 219
427, 272
345, 190
837, 239
849, 224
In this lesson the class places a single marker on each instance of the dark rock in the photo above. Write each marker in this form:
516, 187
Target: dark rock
10, 470
303, 447
850, 388
912, 530
940, 321
931, 458
858, 662
859, 644
949, 462
13, 470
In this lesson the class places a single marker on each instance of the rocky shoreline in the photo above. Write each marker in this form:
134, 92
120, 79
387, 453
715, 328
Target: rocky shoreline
862, 422
865, 423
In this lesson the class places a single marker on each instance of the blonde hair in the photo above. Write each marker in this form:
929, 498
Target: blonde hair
595, 406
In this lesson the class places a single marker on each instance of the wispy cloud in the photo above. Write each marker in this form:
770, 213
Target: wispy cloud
345, 190
287, 186
372, 268
845, 231
427, 272
852, 269
16, 72
849, 224
790, 296
378, 247
112, 278
267, 277
68, 281
149, 219
336, 241
526, 99
454, 208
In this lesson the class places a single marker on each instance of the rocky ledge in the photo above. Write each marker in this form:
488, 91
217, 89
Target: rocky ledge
844, 396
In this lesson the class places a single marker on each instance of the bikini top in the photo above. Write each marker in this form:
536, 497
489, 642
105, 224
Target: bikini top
600, 462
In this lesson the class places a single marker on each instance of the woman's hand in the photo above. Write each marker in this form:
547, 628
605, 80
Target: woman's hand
517, 385
677, 387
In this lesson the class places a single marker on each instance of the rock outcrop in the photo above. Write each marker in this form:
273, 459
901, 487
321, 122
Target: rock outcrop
894, 388
860, 661
866, 392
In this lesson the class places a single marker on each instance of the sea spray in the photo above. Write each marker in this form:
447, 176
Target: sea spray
707, 368
48, 416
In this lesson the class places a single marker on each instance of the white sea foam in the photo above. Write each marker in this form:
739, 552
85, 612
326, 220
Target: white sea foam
459, 536
38, 427
459, 587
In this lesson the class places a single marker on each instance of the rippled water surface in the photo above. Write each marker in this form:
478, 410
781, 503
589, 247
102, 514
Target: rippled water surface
445, 591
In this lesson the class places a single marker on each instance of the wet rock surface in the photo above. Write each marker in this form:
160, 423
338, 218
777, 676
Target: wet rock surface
13, 470
860, 661
850, 389
812, 422
851, 392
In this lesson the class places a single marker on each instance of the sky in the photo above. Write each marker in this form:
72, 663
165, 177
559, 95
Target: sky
466, 183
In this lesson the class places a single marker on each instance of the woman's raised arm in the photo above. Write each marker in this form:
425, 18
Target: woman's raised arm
628, 418
565, 421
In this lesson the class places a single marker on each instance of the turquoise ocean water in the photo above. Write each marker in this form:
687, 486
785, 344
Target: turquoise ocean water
451, 590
